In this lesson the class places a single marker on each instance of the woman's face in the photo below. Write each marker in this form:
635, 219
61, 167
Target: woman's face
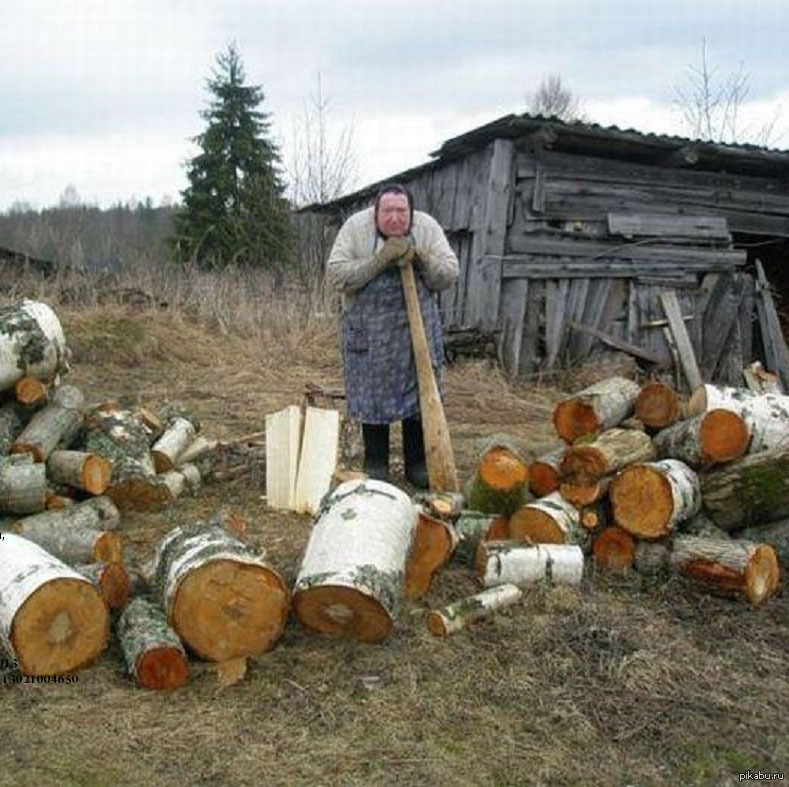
394, 215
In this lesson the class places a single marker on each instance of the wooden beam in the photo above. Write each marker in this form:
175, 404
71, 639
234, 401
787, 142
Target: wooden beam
666, 225
681, 339
619, 344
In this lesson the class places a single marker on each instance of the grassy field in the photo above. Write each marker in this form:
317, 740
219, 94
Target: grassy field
622, 681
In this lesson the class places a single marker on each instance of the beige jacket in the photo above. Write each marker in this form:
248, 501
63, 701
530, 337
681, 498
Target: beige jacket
352, 262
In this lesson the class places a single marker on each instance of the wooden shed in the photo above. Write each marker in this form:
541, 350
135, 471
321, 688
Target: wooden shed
572, 237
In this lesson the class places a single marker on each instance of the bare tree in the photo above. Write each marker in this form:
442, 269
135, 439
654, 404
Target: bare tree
553, 99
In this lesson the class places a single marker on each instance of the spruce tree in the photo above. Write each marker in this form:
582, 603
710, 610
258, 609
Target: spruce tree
233, 210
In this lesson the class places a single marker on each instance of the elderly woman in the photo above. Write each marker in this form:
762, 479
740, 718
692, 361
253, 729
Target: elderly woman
380, 377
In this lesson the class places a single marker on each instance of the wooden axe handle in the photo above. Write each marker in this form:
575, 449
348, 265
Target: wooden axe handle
439, 458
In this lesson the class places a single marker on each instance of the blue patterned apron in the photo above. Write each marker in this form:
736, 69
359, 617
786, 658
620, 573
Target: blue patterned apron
378, 361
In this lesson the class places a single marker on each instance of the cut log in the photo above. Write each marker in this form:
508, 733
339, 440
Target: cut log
713, 437
23, 485
31, 343
13, 419
52, 619
595, 516
549, 520
351, 576
499, 483
433, 543
503, 562
776, 534
584, 494
55, 501
658, 405
652, 557
596, 408
224, 600
748, 491
544, 472
154, 654
199, 448
443, 505
318, 459
185, 479
178, 435
30, 391
614, 548
766, 415
612, 450
472, 527
79, 469
460, 614
649, 500
283, 436
111, 580
738, 567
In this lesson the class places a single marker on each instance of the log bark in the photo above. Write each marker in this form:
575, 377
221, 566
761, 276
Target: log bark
23, 485
111, 580
55, 424
776, 534
224, 600
199, 448
460, 614
178, 435
52, 619
154, 654
748, 491
658, 405
473, 527
596, 408
13, 419
31, 343
649, 500
732, 566
351, 577
511, 562
652, 557
544, 472
500, 481
701, 525
614, 548
765, 414
184, 480
432, 545
549, 520
713, 437
80, 470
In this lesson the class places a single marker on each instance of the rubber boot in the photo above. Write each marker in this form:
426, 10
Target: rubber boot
414, 452
376, 451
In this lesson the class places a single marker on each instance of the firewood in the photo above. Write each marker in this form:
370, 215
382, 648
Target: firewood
154, 654
549, 520
776, 534
460, 614
443, 505
351, 575
649, 500
432, 545
55, 501
472, 527
614, 548
52, 619
701, 525
185, 478
713, 437
584, 494
178, 435
199, 448
766, 415
222, 598
748, 491
544, 472
738, 567
500, 481
23, 485
658, 405
503, 562
13, 419
111, 580
30, 391
56, 423
79, 469
595, 516
596, 408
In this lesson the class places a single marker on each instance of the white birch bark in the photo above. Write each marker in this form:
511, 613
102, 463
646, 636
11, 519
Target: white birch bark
178, 435
503, 562
556, 522
458, 615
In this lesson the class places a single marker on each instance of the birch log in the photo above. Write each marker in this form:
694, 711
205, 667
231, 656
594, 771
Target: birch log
502, 562
431, 547
223, 600
80, 470
154, 654
23, 485
460, 614
31, 343
351, 577
766, 415
111, 580
748, 491
614, 548
56, 423
544, 472
658, 405
549, 520
738, 567
650, 500
199, 448
52, 619
713, 437
500, 481
178, 435
596, 408
473, 527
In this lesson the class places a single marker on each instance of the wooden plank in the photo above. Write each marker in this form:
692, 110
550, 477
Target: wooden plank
747, 310
619, 344
530, 341
555, 310
656, 225
596, 299
576, 300
513, 312
684, 275
775, 350
633, 327
681, 339
283, 436
318, 459
721, 312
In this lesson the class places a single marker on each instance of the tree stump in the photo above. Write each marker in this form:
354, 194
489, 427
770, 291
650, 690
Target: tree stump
111, 580
500, 482
78, 469
549, 520
224, 600
52, 620
731, 567
614, 548
351, 577
596, 408
178, 435
432, 545
472, 527
460, 614
503, 562
713, 437
23, 485
544, 472
658, 405
649, 500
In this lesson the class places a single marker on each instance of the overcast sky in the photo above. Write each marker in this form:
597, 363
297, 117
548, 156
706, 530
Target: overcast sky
105, 95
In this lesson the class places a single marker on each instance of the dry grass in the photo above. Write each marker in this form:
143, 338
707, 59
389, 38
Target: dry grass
621, 681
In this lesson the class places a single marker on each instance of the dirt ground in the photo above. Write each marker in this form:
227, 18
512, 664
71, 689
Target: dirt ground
622, 681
